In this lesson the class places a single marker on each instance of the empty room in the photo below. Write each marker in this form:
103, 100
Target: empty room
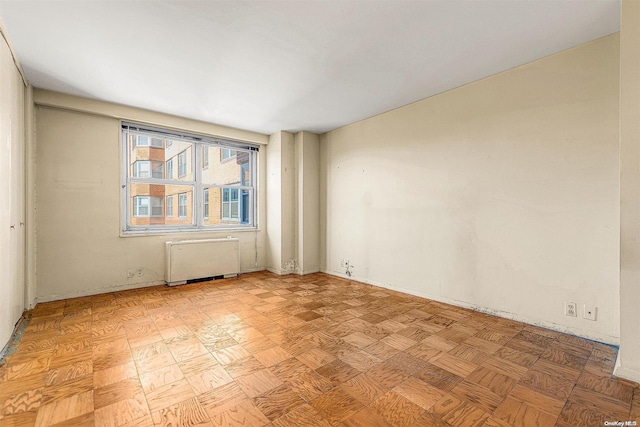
320, 213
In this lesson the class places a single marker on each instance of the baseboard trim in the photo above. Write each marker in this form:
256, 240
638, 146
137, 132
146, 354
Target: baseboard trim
626, 373
127, 287
593, 336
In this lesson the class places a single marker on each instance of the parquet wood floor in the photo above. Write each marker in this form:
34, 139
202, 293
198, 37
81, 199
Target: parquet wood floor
265, 350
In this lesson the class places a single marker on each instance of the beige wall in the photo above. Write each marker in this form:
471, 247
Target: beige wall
80, 250
107, 109
281, 203
13, 223
628, 365
307, 189
501, 195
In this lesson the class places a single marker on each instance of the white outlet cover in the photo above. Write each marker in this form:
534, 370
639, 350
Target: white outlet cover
567, 309
590, 312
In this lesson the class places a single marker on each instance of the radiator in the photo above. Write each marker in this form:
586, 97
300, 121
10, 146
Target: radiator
197, 259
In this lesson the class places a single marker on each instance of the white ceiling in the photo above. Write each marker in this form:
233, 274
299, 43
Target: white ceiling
287, 65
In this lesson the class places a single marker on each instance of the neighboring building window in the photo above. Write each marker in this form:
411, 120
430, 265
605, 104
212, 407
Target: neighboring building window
147, 141
182, 164
205, 156
182, 185
230, 204
169, 206
147, 168
157, 170
141, 206
145, 206
142, 169
182, 205
156, 206
226, 153
170, 168
206, 203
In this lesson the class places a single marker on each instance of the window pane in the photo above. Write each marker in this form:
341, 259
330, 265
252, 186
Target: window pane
147, 169
170, 169
157, 170
227, 153
231, 206
230, 171
205, 155
141, 169
244, 207
157, 208
162, 163
141, 204
206, 203
148, 204
169, 206
183, 166
182, 205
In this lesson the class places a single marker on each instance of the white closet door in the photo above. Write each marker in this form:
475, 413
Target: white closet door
12, 194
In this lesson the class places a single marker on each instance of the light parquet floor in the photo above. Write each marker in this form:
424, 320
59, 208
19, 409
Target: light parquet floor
265, 350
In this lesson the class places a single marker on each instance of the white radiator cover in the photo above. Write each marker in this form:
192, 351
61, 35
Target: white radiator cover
196, 259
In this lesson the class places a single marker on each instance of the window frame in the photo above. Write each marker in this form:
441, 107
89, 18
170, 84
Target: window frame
194, 185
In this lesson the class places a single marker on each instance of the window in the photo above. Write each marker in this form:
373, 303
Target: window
205, 156
226, 154
146, 206
141, 206
182, 205
182, 164
156, 206
206, 203
185, 185
169, 206
157, 170
142, 169
147, 141
170, 168
230, 204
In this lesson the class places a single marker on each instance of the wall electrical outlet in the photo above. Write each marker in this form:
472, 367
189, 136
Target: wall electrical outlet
571, 309
130, 274
590, 312
140, 272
